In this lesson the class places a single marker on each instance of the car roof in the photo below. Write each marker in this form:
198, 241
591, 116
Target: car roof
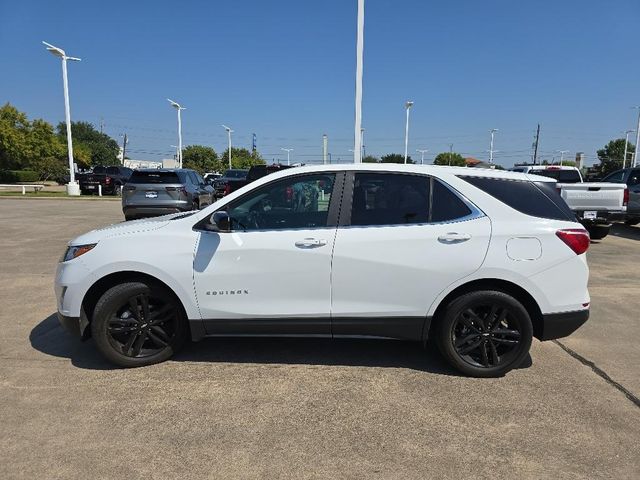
435, 170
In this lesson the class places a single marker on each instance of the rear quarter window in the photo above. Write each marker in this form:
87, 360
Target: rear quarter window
537, 199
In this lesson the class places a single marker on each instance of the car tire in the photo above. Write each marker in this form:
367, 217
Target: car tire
117, 191
484, 333
598, 232
135, 324
632, 221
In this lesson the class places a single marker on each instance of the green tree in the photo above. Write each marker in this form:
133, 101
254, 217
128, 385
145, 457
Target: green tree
370, 159
395, 158
202, 159
240, 158
14, 130
611, 155
448, 158
104, 149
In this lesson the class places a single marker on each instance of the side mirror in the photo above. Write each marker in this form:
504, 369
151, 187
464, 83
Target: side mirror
221, 221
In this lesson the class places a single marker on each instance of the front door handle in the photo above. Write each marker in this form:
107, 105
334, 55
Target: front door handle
454, 237
310, 243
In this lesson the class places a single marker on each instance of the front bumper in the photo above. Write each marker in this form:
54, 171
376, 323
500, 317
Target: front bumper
77, 326
558, 325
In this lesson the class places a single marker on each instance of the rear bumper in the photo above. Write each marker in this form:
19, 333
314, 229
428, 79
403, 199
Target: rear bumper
136, 212
558, 325
603, 217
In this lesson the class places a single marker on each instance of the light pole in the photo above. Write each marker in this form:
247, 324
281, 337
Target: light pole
288, 150
359, 54
408, 104
179, 108
562, 152
626, 143
450, 152
421, 152
362, 155
72, 187
125, 141
325, 147
635, 155
229, 132
492, 131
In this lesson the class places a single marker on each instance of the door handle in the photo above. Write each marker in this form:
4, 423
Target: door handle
454, 237
310, 243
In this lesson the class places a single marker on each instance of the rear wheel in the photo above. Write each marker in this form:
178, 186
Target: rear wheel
632, 221
598, 232
136, 324
485, 333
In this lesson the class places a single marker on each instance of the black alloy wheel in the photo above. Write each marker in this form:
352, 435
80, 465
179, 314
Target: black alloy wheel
485, 334
137, 324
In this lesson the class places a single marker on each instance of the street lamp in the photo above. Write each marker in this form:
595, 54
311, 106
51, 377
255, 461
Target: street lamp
562, 152
492, 131
421, 152
229, 132
635, 155
359, 60
626, 143
407, 106
72, 187
179, 108
288, 150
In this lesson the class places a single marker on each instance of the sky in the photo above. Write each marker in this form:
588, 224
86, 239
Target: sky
285, 70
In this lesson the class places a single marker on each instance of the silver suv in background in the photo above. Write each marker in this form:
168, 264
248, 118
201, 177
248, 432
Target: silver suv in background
153, 192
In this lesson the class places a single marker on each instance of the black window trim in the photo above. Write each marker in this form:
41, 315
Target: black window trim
347, 201
335, 204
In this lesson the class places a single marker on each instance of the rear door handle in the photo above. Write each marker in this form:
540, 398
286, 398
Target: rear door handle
310, 243
454, 237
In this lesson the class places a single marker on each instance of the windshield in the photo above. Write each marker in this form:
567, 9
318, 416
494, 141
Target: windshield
236, 173
562, 176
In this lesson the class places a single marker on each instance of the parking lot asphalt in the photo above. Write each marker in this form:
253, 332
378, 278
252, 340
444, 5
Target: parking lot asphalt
305, 408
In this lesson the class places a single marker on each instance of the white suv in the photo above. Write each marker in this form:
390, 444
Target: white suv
478, 260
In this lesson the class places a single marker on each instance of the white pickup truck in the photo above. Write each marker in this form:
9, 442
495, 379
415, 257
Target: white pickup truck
596, 204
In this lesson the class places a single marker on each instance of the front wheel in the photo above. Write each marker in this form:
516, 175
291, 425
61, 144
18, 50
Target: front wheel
485, 333
136, 324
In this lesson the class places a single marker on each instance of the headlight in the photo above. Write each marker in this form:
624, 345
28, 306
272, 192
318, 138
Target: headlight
75, 251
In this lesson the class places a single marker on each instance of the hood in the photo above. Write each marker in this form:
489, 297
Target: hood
124, 228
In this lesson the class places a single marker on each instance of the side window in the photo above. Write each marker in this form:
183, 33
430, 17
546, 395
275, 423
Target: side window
192, 178
199, 179
446, 206
390, 199
294, 202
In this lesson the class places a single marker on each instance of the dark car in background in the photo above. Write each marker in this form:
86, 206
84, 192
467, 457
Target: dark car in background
227, 184
630, 177
109, 180
153, 192
222, 184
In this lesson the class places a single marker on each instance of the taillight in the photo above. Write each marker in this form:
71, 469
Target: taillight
625, 197
182, 189
107, 180
577, 239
